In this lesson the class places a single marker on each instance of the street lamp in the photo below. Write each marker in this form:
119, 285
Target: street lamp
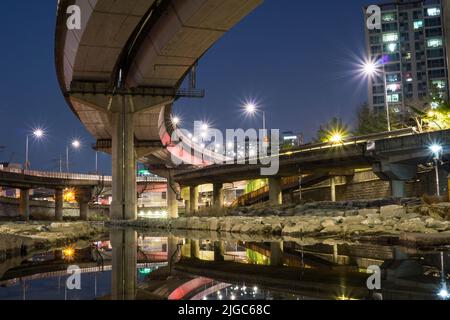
76, 144
176, 121
251, 109
436, 150
37, 134
371, 69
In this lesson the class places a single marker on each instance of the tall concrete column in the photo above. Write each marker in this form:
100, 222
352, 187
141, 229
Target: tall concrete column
24, 207
124, 203
124, 260
333, 189
187, 208
172, 252
276, 254
59, 204
172, 199
219, 251
398, 189
218, 195
193, 199
275, 192
84, 198
195, 249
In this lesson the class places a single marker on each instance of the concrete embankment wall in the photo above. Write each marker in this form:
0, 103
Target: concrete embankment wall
366, 185
9, 207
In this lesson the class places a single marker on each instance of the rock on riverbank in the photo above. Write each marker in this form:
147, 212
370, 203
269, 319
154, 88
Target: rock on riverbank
318, 219
17, 238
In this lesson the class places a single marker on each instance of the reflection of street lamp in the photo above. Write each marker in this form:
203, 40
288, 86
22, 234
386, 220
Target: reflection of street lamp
371, 69
76, 144
37, 134
443, 293
436, 150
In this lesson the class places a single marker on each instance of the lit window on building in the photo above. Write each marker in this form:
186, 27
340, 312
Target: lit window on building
394, 87
393, 98
389, 17
392, 47
390, 37
418, 24
433, 12
434, 43
440, 84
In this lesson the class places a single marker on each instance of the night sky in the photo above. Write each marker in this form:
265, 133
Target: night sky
295, 58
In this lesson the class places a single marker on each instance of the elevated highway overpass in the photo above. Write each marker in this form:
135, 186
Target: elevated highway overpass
393, 156
121, 72
25, 180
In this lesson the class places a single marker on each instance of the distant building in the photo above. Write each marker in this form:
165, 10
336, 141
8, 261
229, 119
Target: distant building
289, 138
411, 49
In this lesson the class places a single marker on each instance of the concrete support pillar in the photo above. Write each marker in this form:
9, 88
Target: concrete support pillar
398, 189
195, 249
335, 253
193, 200
219, 251
84, 198
172, 252
59, 204
275, 192
218, 195
172, 199
24, 207
276, 254
333, 189
124, 259
124, 203
187, 208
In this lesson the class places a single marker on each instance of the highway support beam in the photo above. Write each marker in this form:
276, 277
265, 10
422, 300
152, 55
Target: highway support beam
276, 254
397, 174
172, 199
84, 197
124, 203
219, 251
124, 260
218, 195
195, 249
193, 200
275, 191
59, 204
24, 207
333, 189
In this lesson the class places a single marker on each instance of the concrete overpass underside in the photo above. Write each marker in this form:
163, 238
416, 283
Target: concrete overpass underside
121, 73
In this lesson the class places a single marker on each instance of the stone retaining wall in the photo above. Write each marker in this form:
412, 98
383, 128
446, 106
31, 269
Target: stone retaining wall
9, 208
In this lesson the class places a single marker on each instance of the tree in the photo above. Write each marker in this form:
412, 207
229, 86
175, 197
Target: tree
369, 122
333, 131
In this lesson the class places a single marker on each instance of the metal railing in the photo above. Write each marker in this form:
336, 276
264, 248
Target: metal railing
73, 176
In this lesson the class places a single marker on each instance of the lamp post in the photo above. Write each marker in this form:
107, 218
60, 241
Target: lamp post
76, 144
436, 150
38, 134
252, 109
370, 69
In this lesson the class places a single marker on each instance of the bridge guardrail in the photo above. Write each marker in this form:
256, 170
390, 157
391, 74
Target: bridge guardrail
73, 176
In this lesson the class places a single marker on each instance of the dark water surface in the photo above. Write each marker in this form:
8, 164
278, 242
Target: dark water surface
130, 264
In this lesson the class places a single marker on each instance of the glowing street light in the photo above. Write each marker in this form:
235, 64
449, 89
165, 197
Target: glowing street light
251, 109
337, 138
76, 144
37, 134
436, 150
176, 121
371, 69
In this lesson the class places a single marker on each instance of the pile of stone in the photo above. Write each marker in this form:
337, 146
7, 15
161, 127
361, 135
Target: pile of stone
320, 219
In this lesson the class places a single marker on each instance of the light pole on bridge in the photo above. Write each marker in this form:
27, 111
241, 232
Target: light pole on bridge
37, 134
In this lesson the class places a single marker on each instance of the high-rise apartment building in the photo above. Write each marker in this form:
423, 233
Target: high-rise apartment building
410, 52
